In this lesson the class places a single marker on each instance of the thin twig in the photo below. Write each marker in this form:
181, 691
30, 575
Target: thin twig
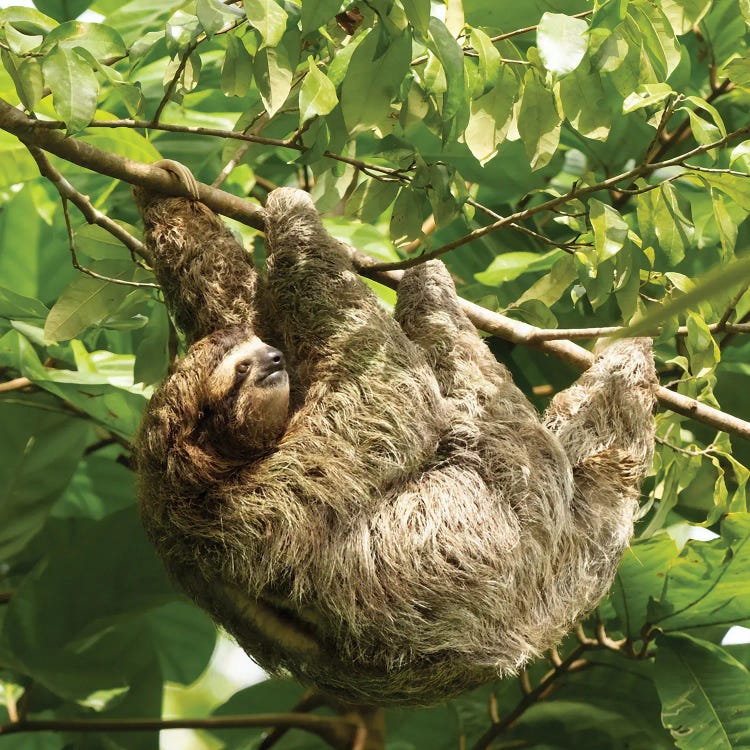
94, 275
169, 90
526, 29
529, 698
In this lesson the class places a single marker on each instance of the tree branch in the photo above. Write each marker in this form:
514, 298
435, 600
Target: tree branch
84, 205
155, 178
340, 733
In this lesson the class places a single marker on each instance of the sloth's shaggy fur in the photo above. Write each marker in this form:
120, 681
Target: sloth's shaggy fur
417, 529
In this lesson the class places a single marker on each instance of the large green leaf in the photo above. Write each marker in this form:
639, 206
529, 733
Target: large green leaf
366, 107
101, 41
448, 51
317, 95
74, 87
708, 583
640, 578
562, 42
491, 116
539, 121
40, 453
237, 71
318, 14
705, 694
269, 18
273, 69
67, 625
87, 301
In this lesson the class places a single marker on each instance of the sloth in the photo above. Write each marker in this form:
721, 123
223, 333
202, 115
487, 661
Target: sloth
363, 500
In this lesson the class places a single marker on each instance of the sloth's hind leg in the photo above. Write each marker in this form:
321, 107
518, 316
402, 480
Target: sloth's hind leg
610, 407
605, 424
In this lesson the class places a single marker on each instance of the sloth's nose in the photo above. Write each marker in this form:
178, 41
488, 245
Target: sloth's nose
274, 358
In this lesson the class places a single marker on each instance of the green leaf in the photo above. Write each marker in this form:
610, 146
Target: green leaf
406, 217
370, 199
99, 244
658, 37
610, 229
101, 41
184, 637
705, 694
640, 577
181, 30
214, 15
27, 20
273, 68
562, 42
509, 266
63, 10
647, 95
673, 229
87, 301
684, 14
489, 59
269, 18
585, 103
538, 121
40, 455
237, 71
449, 52
726, 225
15, 306
719, 280
490, 120
418, 13
553, 285
27, 77
152, 350
317, 14
491, 116
368, 107
75, 89
703, 351
89, 644
708, 583
317, 95
20, 43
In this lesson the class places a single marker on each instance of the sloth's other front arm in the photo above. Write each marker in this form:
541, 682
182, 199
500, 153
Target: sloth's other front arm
208, 279
327, 314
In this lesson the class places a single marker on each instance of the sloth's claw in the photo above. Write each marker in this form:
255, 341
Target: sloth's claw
182, 174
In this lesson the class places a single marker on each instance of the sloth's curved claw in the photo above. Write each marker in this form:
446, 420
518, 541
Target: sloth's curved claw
182, 174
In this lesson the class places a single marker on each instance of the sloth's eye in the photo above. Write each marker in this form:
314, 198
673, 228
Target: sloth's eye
242, 367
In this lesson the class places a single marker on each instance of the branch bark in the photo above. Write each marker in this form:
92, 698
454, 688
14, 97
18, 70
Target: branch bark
340, 733
137, 173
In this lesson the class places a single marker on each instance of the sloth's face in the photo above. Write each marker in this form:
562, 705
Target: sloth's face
249, 398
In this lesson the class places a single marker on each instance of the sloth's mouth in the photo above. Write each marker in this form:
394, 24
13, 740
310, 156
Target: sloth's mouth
275, 378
